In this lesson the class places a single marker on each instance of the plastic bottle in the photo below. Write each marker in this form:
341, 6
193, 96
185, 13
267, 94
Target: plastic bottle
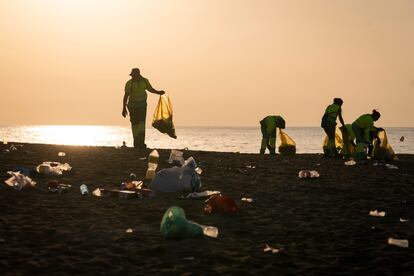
84, 189
152, 165
397, 242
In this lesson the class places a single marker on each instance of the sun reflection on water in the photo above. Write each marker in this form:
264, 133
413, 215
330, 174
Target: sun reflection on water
74, 134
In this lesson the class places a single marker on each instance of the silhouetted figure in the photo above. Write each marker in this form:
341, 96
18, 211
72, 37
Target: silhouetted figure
135, 99
268, 127
329, 125
365, 131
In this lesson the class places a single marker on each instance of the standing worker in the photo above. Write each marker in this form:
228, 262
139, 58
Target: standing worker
136, 96
364, 130
329, 125
268, 127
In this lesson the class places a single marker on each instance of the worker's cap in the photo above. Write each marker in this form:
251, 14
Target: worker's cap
135, 71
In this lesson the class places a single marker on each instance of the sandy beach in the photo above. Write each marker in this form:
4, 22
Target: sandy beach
322, 226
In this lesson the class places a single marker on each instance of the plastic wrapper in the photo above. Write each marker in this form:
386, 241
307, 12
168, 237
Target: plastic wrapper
163, 117
287, 145
19, 181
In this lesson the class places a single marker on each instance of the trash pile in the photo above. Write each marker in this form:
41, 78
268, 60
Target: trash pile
53, 168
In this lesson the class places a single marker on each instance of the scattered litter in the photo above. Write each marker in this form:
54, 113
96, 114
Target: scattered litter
55, 187
19, 181
53, 168
176, 157
198, 170
271, 249
131, 185
398, 242
404, 220
247, 199
132, 176
84, 189
350, 163
308, 174
129, 230
210, 231
250, 167
97, 192
142, 158
13, 148
220, 204
61, 154
200, 194
375, 213
391, 167
318, 164
152, 165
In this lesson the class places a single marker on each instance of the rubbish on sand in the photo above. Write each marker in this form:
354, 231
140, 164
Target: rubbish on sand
53, 168
54, 186
404, 220
176, 157
375, 213
174, 225
247, 199
61, 154
398, 242
116, 193
391, 166
97, 192
250, 167
131, 185
152, 165
271, 249
19, 181
177, 179
203, 194
220, 204
308, 174
198, 170
129, 231
84, 189
350, 163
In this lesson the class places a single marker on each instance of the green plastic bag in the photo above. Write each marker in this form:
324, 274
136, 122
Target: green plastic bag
163, 115
174, 225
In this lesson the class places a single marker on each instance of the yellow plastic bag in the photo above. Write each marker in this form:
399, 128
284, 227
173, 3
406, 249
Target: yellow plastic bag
163, 114
287, 145
339, 143
348, 146
382, 149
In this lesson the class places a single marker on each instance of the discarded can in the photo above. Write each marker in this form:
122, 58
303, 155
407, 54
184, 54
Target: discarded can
84, 189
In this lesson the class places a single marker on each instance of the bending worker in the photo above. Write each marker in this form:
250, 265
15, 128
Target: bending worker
268, 127
136, 96
364, 130
329, 125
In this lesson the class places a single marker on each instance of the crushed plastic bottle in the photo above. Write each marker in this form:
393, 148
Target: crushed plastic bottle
375, 213
308, 174
398, 242
84, 189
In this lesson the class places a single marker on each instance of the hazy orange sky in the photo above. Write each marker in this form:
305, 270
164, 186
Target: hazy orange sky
223, 62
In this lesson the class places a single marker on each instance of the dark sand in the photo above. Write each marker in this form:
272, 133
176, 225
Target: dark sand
322, 225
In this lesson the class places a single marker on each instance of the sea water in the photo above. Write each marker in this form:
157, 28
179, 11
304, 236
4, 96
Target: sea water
225, 139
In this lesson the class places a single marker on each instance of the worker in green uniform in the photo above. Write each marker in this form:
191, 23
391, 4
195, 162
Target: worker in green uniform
268, 127
135, 99
332, 112
364, 131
